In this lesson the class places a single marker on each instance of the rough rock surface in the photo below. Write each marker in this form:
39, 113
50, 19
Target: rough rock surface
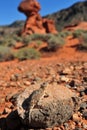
45, 107
35, 23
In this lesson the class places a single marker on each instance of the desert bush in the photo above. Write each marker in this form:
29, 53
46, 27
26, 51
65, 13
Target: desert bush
27, 53
8, 42
83, 41
41, 37
38, 37
26, 40
38, 43
64, 34
78, 33
5, 54
55, 42
17, 38
82, 37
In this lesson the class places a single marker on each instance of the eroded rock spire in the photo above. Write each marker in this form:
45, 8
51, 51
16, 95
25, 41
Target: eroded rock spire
34, 22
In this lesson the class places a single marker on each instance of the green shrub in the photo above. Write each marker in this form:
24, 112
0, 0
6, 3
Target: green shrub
17, 38
27, 53
26, 40
78, 33
8, 41
83, 42
82, 36
38, 37
6, 53
38, 43
41, 37
55, 42
64, 34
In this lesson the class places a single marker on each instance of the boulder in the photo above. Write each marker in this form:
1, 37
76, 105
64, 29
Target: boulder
45, 105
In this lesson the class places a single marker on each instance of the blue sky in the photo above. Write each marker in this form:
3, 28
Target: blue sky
9, 12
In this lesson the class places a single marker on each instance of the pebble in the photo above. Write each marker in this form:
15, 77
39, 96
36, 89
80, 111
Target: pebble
27, 83
64, 79
85, 127
14, 77
72, 83
76, 117
83, 106
2, 100
85, 79
67, 71
85, 114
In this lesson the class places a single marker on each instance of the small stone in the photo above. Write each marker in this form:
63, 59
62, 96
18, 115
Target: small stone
13, 84
27, 83
19, 84
64, 79
75, 117
2, 100
72, 83
72, 125
82, 93
67, 71
83, 106
84, 126
14, 77
85, 114
85, 79
66, 125
37, 79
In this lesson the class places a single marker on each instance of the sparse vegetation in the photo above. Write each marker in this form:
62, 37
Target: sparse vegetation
64, 34
55, 42
5, 54
78, 33
38, 43
83, 41
82, 36
26, 40
8, 42
27, 53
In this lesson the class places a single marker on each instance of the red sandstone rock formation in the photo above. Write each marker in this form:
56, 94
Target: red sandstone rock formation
34, 22
49, 25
